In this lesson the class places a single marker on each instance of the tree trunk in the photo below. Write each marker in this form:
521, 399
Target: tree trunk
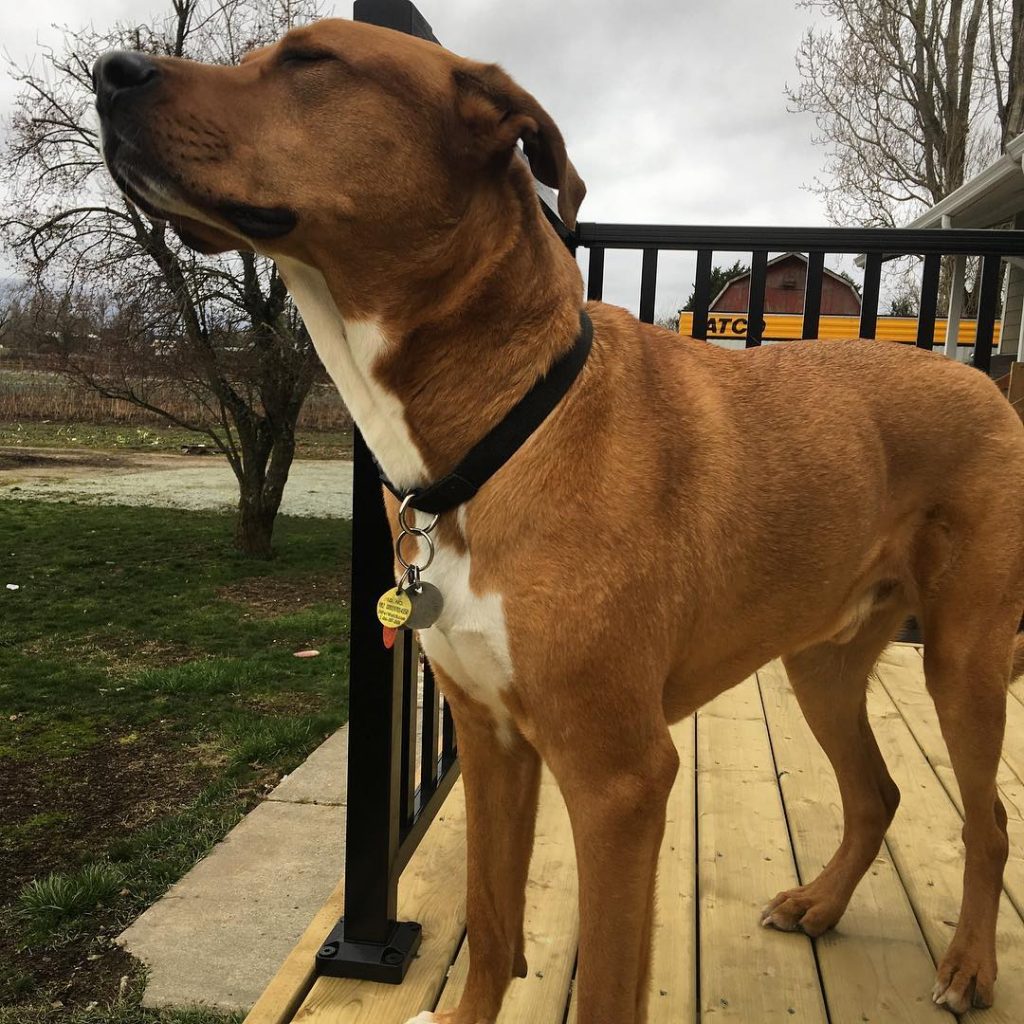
264, 473
254, 529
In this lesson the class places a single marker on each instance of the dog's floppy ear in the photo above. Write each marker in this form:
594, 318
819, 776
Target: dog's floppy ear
499, 113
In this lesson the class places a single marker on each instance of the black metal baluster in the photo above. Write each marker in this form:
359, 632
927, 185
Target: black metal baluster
869, 297
929, 300
755, 304
595, 274
812, 295
410, 717
701, 294
648, 285
988, 300
449, 746
431, 730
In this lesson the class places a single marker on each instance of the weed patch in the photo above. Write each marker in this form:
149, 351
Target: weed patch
48, 905
258, 741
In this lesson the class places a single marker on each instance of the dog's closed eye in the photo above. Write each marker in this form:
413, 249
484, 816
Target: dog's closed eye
305, 57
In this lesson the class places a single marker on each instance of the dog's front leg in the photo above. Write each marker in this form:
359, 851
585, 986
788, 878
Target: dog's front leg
501, 776
616, 791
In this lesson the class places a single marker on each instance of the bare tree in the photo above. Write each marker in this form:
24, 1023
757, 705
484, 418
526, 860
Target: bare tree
222, 329
909, 96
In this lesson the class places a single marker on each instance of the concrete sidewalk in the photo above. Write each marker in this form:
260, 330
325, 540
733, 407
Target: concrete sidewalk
219, 935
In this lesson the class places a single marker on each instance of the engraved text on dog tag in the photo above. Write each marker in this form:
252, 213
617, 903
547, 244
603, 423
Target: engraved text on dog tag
394, 608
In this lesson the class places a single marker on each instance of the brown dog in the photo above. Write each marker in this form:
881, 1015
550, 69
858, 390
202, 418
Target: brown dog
683, 516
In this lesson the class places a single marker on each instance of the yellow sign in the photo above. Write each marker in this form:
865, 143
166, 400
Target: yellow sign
784, 326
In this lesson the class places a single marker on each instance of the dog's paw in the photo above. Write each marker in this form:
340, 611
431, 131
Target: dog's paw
425, 1017
964, 980
812, 909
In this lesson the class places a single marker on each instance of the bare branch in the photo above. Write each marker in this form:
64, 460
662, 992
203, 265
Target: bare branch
899, 90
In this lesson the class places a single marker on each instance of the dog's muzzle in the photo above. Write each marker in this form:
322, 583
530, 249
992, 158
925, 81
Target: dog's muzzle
124, 81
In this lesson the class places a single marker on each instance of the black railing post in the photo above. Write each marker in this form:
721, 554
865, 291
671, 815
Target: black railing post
368, 942
374, 749
401, 15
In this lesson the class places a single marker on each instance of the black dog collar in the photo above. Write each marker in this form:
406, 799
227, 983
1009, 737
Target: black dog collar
489, 454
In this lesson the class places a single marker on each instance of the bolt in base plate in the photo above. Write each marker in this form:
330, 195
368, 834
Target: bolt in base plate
371, 961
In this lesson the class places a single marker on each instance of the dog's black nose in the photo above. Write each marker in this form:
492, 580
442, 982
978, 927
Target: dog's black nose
118, 70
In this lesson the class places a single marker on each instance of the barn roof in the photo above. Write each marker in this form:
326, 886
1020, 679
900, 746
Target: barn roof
779, 259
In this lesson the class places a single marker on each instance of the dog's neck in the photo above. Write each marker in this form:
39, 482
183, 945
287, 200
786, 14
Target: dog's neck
426, 382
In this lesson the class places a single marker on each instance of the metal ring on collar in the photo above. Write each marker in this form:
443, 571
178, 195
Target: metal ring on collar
412, 527
414, 533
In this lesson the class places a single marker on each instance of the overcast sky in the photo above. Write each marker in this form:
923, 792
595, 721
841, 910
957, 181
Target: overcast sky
673, 111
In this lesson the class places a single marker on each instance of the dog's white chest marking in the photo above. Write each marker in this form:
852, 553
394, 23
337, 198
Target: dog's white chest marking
470, 639
349, 351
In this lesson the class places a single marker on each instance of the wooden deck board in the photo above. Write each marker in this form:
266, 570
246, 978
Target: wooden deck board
747, 973
762, 812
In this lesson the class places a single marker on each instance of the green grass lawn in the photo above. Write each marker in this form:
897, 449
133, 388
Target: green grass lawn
310, 444
149, 696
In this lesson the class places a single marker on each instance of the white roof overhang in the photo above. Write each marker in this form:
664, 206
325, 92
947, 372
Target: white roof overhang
991, 197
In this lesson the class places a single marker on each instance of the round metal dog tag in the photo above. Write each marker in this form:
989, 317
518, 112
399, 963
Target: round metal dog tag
427, 605
393, 608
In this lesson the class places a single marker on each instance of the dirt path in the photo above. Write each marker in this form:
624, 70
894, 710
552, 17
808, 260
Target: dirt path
315, 488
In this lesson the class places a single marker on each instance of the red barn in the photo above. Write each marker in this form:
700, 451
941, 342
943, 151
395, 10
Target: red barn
784, 290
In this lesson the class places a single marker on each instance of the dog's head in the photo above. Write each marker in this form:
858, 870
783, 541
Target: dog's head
339, 135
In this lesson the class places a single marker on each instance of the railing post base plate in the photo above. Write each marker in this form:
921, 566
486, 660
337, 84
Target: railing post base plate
370, 961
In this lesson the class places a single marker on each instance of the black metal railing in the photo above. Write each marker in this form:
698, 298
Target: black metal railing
875, 244
401, 764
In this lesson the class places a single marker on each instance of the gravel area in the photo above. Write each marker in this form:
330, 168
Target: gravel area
315, 488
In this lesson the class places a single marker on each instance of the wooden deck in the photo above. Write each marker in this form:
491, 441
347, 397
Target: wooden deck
755, 809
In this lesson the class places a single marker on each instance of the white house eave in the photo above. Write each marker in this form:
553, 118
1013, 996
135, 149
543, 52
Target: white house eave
990, 197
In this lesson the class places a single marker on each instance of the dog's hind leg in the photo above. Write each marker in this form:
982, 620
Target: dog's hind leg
830, 683
501, 776
969, 648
